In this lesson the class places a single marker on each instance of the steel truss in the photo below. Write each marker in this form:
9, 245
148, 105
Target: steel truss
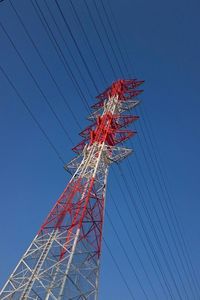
62, 261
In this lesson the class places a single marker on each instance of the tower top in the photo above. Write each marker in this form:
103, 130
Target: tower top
124, 89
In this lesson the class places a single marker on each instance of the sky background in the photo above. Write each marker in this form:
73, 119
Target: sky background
163, 45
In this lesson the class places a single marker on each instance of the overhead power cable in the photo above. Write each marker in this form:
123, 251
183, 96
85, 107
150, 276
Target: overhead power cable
154, 207
173, 223
59, 52
134, 180
166, 212
77, 46
157, 239
71, 54
100, 39
114, 36
121, 45
50, 143
150, 244
44, 97
119, 270
127, 230
88, 42
108, 39
186, 258
117, 44
45, 65
127, 257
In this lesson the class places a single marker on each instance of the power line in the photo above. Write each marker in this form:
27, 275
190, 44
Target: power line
148, 241
133, 245
45, 64
37, 84
152, 227
108, 38
77, 46
114, 35
161, 203
154, 230
168, 203
88, 42
174, 261
119, 270
68, 48
127, 70
178, 271
127, 256
100, 39
113, 18
33, 117
59, 52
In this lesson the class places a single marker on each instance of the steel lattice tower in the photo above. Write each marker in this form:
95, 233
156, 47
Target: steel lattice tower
62, 261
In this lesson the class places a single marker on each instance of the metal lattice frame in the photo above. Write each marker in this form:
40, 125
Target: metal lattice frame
62, 261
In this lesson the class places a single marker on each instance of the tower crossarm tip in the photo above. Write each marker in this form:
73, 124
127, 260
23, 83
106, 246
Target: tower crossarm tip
124, 89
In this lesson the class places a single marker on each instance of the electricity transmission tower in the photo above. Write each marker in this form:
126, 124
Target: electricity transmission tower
62, 261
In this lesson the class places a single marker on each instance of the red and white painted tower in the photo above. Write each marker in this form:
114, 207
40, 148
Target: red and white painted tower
62, 261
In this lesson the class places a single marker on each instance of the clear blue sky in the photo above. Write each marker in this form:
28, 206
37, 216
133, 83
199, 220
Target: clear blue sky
162, 41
